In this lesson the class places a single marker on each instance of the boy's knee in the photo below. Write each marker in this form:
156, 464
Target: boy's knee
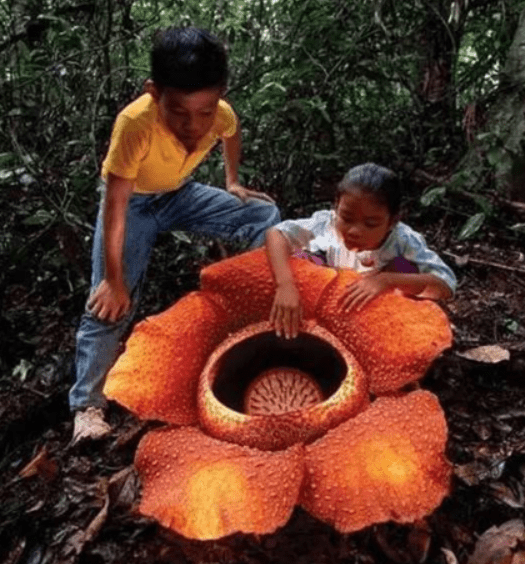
272, 217
276, 216
271, 214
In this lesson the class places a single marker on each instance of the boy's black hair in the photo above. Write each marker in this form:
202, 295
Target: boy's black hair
379, 181
189, 59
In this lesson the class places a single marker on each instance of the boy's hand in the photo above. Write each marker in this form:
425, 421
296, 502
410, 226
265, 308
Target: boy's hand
286, 314
110, 301
362, 291
244, 194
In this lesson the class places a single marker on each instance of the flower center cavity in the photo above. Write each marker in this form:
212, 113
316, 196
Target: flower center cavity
279, 390
258, 373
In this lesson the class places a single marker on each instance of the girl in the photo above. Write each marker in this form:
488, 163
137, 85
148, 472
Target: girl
363, 233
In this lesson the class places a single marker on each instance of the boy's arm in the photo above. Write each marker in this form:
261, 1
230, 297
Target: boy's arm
362, 291
111, 297
231, 151
286, 312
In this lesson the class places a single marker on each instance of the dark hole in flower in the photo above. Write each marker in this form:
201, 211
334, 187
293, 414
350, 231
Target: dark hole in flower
246, 360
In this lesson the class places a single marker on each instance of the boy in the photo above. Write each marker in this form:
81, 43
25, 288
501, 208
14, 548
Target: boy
157, 142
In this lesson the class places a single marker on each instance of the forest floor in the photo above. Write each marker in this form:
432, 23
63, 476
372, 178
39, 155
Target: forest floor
63, 504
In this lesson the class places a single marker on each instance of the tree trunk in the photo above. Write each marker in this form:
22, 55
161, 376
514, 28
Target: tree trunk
510, 114
501, 147
439, 42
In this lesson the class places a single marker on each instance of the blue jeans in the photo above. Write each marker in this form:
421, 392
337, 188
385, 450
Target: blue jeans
196, 208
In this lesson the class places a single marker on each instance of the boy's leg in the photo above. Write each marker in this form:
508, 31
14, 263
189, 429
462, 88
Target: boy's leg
98, 342
212, 211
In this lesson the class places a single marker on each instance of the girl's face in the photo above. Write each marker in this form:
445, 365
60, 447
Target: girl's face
361, 220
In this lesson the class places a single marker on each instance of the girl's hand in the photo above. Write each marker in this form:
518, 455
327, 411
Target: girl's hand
286, 314
110, 301
362, 291
244, 194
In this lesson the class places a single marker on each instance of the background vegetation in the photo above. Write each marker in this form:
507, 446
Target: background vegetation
319, 85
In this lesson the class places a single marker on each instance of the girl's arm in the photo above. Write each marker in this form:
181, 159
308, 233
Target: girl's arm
421, 285
111, 299
286, 313
364, 290
432, 277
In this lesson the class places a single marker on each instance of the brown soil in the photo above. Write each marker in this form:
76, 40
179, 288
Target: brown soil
77, 504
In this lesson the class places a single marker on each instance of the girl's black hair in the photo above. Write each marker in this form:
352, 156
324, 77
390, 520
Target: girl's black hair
377, 180
189, 59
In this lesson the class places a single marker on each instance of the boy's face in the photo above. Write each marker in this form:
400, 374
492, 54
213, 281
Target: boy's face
361, 220
188, 115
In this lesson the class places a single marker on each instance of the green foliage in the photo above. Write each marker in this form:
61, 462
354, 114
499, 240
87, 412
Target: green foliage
433, 195
479, 207
319, 85
483, 51
472, 226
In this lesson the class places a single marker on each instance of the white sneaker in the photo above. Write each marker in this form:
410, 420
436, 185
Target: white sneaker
89, 424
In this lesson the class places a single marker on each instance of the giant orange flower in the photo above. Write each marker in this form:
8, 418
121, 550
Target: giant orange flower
258, 424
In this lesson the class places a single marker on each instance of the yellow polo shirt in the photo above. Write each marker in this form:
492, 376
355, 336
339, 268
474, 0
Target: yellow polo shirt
144, 150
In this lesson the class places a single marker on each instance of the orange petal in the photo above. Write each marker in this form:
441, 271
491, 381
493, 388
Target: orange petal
246, 283
312, 280
387, 463
157, 375
394, 338
206, 489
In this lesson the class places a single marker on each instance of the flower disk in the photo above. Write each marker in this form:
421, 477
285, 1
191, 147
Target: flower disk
279, 390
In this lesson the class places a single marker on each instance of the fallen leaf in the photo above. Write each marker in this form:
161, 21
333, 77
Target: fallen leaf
388, 541
123, 487
75, 544
497, 544
450, 557
507, 495
490, 354
36, 507
482, 429
130, 436
15, 554
461, 260
418, 541
519, 558
40, 465
475, 472
97, 523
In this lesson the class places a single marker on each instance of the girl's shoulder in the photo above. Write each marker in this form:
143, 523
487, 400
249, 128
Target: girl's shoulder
323, 221
324, 215
405, 232
318, 224
319, 219
403, 237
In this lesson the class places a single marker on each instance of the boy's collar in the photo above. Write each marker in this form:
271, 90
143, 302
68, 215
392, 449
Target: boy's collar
165, 132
